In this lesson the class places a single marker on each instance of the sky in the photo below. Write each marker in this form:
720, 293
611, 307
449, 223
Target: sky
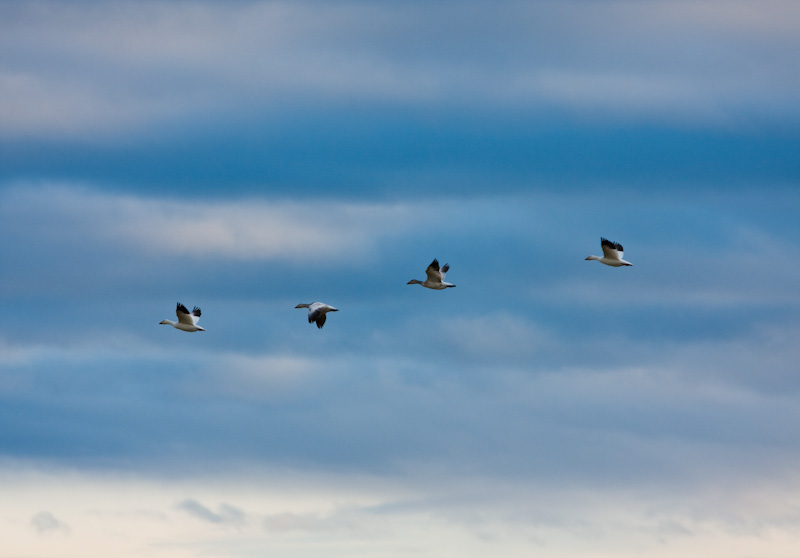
248, 156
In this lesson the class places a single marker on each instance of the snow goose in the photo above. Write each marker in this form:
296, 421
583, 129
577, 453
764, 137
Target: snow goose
435, 278
317, 312
612, 254
186, 321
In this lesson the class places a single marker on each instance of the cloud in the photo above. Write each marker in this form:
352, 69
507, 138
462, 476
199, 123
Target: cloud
248, 229
124, 67
738, 16
497, 338
635, 94
45, 523
13, 354
227, 514
251, 377
351, 522
417, 513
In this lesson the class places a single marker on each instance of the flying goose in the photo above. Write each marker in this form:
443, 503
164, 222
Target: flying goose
435, 278
317, 312
186, 321
612, 254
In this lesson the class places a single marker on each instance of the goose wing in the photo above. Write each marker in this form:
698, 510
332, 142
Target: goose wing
611, 250
316, 313
318, 317
196, 314
434, 273
316, 307
184, 317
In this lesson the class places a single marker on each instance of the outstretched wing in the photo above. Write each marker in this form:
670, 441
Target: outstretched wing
434, 273
318, 316
184, 317
611, 250
196, 315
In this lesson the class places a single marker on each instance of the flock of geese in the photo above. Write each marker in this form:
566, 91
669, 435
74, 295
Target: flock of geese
317, 311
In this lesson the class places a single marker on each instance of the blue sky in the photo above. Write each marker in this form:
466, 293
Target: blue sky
248, 156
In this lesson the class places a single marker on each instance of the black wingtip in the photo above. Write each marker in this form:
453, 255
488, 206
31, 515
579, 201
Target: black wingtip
611, 244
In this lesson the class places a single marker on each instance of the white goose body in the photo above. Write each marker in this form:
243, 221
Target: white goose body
317, 312
186, 321
612, 254
435, 278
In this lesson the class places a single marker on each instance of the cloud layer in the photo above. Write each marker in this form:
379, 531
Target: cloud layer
284, 512
86, 68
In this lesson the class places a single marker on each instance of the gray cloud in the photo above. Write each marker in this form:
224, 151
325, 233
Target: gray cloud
226, 514
104, 68
45, 523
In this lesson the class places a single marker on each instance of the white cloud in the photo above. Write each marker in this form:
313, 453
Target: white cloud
248, 377
298, 514
248, 229
80, 349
